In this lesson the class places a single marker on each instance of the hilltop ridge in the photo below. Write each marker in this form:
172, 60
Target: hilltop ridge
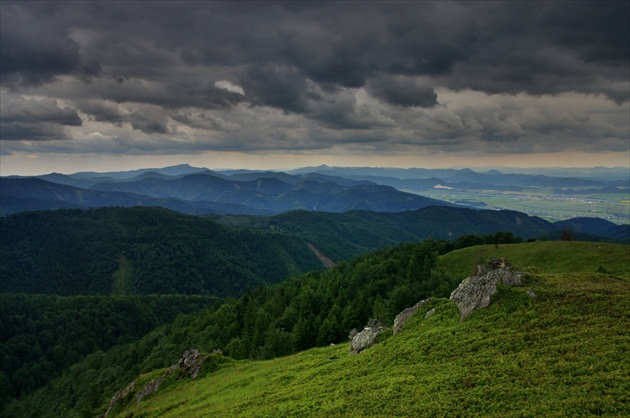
581, 298
551, 347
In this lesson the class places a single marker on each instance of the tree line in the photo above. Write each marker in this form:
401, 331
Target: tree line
314, 309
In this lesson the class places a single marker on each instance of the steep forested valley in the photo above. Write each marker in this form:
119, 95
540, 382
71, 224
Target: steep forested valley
131, 335
49, 333
79, 285
92, 297
141, 251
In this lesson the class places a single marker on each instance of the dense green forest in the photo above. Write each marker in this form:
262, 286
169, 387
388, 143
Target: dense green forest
141, 251
343, 236
40, 335
156, 251
318, 308
66, 355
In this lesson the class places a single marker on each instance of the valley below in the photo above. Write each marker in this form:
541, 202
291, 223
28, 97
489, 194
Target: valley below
547, 204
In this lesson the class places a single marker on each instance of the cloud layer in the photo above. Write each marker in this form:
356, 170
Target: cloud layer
360, 78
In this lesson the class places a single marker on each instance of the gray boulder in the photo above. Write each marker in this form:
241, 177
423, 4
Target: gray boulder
190, 363
365, 339
474, 292
402, 318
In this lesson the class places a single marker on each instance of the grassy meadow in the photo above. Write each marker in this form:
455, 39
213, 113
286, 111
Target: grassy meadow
544, 256
563, 352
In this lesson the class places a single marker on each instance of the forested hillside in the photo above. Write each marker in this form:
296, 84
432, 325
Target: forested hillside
311, 310
141, 251
554, 347
79, 349
157, 251
41, 335
345, 235
314, 309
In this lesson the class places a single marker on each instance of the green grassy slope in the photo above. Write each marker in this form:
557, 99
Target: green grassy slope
547, 256
560, 353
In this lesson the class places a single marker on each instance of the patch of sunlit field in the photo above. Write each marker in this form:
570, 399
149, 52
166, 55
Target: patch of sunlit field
543, 203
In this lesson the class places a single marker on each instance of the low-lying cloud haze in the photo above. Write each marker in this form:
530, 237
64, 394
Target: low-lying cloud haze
116, 85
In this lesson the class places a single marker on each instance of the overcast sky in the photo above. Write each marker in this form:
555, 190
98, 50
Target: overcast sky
119, 85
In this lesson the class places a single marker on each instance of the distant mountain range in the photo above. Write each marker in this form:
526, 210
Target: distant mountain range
594, 173
419, 179
197, 191
595, 226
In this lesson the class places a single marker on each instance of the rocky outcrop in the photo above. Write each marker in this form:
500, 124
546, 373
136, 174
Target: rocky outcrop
190, 364
119, 397
474, 292
365, 339
402, 318
498, 263
152, 386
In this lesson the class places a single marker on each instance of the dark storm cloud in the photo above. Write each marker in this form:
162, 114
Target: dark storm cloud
154, 66
35, 46
18, 109
548, 48
148, 119
38, 119
508, 47
281, 87
41, 131
102, 111
402, 91
170, 94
